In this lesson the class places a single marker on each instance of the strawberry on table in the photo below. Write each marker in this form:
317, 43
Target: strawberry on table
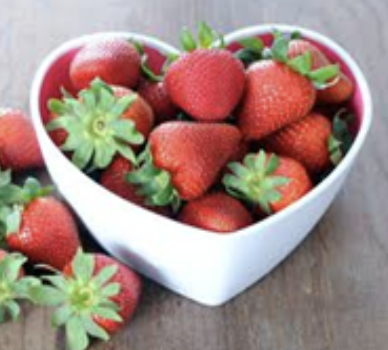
217, 212
95, 296
14, 286
19, 148
206, 82
100, 125
279, 90
266, 180
40, 227
114, 60
183, 160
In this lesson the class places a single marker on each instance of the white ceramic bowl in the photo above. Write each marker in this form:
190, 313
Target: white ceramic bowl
203, 266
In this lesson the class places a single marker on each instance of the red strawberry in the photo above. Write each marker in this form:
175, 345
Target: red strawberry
95, 295
334, 94
156, 95
216, 212
338, 93
113, 179
307, 141
14, 287
299, 47
241, 151
19, 148
207, 83
42, 225
237, 156
272, 183
100, 123
58, 136
183, 160
128, 296
140, 112
114, 60
275, 97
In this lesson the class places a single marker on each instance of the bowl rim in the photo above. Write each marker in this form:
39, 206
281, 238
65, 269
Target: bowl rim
228, 39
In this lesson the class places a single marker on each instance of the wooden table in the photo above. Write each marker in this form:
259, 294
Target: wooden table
332, 292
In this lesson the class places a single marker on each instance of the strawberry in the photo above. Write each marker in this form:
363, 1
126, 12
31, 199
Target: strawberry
95, 296
275, 96
39, 225
272, 183
19, 148
58, 136
338, 93
14, 286
113, 179
206, 82
155, 93
140, 111
341, 91
114, 60
299, 47
279, 90
306, 140
183, 160
240, 153
216, 212
100, 124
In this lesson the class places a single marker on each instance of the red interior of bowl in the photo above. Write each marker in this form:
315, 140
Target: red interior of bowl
58, 76
356, 104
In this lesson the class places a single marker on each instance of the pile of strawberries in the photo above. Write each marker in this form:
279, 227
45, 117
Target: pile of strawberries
215, 139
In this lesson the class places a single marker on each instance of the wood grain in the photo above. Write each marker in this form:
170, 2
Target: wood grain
331, 293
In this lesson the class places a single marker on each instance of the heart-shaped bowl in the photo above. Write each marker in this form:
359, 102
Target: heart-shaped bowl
206, 267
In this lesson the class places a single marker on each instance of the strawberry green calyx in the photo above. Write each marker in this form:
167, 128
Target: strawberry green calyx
5, 211
9, 192
5, 178
154, 184
321, 77
206, 38
16, 198
254, 180
79, 298
251, 51
341, 138
145, 69
96, 131
6, 187
13, 198
14, 287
